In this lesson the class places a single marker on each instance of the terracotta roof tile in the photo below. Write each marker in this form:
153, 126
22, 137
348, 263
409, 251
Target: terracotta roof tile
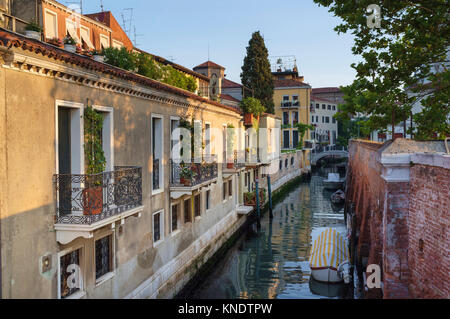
326, 90
289, 83
209, 64
10, 39
315, 98
230, 84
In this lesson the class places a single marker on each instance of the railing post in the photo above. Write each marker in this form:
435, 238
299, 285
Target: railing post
269, 189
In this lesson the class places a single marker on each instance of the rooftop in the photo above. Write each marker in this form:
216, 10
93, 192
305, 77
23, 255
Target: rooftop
230, 84
208, 64
10, 39
315, 98
290, 83
326, 90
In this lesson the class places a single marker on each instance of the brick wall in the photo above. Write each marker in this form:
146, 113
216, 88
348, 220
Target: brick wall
429, 219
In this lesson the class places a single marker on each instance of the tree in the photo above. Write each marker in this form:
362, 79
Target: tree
396, 58
302, 129
256, 73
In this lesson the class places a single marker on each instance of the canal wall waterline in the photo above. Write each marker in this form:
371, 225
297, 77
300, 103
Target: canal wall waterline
233, 236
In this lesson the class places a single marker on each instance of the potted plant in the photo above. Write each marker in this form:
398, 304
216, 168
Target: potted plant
186, 175
252, 108
54, 41
98, 55
33, 30
70, 44
95, 162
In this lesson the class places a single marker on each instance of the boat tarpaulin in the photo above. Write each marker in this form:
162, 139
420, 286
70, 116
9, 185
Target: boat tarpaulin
329, 250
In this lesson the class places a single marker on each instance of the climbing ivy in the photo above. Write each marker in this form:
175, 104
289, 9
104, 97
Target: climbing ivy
93, 148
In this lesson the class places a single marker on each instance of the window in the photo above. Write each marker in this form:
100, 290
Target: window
70, 274
285, 118
317, 105
281, 165
327, 119
224, 191
157, 153
286, 139
333, 120
230, 188
197, 212
323, 119
104, 41
294, 118
175, 139
103, 256
86, 38
187, 210
295, 101
51, 25
334, 107
324, 106
329, 107
286, 162
312, 119
207, 140
317, 118
292, 160
174, 217
208, 199
71, 29
158, 226
285, 98
117, 44
294, 139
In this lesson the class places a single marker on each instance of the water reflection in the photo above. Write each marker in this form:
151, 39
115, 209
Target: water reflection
273, 262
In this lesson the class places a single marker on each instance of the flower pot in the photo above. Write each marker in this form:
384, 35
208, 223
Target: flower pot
185, 181
99, 58
33, 34
230, 165
93, 200
70, 47
248, 119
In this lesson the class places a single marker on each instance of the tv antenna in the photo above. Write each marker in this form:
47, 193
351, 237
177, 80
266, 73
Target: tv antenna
127, 20
101, 6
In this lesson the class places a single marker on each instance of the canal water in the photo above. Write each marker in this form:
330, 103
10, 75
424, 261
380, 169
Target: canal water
272, 262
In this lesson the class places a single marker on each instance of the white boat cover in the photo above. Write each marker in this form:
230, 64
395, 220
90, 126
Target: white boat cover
329, 250
333, 177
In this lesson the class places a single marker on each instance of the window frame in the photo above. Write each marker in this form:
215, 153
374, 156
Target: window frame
112, 272
161, 227
82, 291
189, 200
177, 230
161, 166
45, 23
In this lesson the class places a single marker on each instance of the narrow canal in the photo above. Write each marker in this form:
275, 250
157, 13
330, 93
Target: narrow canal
272, 262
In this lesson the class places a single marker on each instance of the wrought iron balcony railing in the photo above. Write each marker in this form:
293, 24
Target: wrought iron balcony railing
86, 199
191, 174
239, 158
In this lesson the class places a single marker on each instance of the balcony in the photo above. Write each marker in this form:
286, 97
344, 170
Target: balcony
236, 165
287, 104
85, 202
187, 177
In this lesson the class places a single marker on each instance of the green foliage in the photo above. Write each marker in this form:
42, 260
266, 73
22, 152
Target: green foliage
69, 40
302, 129
253, 106
396, 58
256, 73
33, 26
93, 149
145, 65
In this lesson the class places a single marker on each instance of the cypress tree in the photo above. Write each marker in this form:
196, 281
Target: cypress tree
256, 73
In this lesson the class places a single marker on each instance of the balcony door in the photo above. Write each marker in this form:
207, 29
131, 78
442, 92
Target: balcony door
294, 139
64, 160
286, 139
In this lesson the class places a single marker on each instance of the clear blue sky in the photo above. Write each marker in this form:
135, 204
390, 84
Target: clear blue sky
182, 30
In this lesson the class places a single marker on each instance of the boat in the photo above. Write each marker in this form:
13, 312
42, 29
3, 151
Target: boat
333, 181
329, 257
330, 290
338, 197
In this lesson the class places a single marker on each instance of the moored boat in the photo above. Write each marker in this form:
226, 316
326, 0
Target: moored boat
329, 257
338, 197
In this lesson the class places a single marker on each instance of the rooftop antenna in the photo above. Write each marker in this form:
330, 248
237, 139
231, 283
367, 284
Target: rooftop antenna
135, 37
127, 20
101, 6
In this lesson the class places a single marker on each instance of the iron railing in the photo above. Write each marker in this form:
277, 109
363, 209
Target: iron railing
191, 174
239, 158
86, 199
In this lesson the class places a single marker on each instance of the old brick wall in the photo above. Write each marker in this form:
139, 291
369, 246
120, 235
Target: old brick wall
429, 258
365, 191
